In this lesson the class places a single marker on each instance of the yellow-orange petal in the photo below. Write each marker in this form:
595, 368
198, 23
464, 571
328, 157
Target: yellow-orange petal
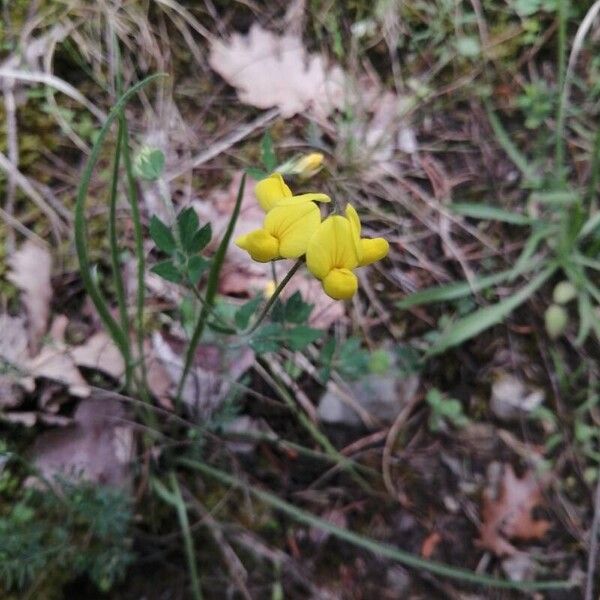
340, 284
372, 250
260, 245
293, 226
332, 246
271, 190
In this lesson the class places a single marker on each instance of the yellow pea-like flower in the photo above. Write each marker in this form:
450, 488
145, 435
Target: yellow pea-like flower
273, 190
286, 230
336, 249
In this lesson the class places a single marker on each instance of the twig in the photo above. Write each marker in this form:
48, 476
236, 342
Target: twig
9, 168
234, 564
13, 152
227, 142
391, 440
593, 555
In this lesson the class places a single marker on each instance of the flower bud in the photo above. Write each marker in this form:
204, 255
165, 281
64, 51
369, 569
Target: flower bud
149, 163
556, 320
564, 292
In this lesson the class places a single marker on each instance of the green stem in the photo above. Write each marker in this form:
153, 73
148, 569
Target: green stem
114, 257
139, 248
211, 289
175, 499
370, 544
275, 295
90, 285
312, 429
559, 151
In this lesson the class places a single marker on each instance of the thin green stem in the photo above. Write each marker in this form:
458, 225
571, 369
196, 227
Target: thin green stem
559, 151
114, 257
211, 289
224, 327
139, 248
174, 498
312, 429
370, 544
275, 295
81, 246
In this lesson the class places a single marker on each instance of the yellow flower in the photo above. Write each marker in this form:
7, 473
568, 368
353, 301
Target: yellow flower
286, 230
336, 249
308, 165
272, 190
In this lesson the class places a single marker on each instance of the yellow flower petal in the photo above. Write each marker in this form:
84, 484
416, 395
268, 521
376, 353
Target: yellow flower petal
293, 225
372, 250
271, 190
260, 244
340, 284
352, 216
332, 246
310, 197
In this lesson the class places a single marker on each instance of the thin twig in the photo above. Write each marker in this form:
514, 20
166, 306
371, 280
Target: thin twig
222, 145
593, 555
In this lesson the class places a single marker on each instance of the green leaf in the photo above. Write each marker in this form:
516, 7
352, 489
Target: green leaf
162, 235
453, 291
300, 337
195, 268
487, 212
295, 310
586, 317
267, 154
464, 329
245, 312
268, 338
187, 224
201, 239
167, 270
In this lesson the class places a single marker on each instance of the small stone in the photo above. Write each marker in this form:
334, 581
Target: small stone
512, 399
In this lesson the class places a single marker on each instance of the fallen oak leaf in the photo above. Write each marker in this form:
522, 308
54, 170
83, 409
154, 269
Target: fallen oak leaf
270, 70
509, 514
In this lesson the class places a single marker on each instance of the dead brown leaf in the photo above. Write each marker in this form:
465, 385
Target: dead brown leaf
98, 446
30, 271
270, 70
508, 515
99, 352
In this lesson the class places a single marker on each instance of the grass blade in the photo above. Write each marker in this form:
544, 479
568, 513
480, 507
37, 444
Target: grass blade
482, 319
530, 174
370, 544
453, 291
491, 213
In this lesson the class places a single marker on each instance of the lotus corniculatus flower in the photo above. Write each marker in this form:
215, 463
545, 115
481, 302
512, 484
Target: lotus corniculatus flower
288, 225
336, 249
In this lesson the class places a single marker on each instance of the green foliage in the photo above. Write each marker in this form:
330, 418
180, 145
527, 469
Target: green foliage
182, 243
537, 103
81, 529
444, 411
288, 327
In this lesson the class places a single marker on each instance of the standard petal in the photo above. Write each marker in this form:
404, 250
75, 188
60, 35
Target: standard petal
260, 245
340, 284
372, 250
293, 226
310, 197
332, 246
271, 190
